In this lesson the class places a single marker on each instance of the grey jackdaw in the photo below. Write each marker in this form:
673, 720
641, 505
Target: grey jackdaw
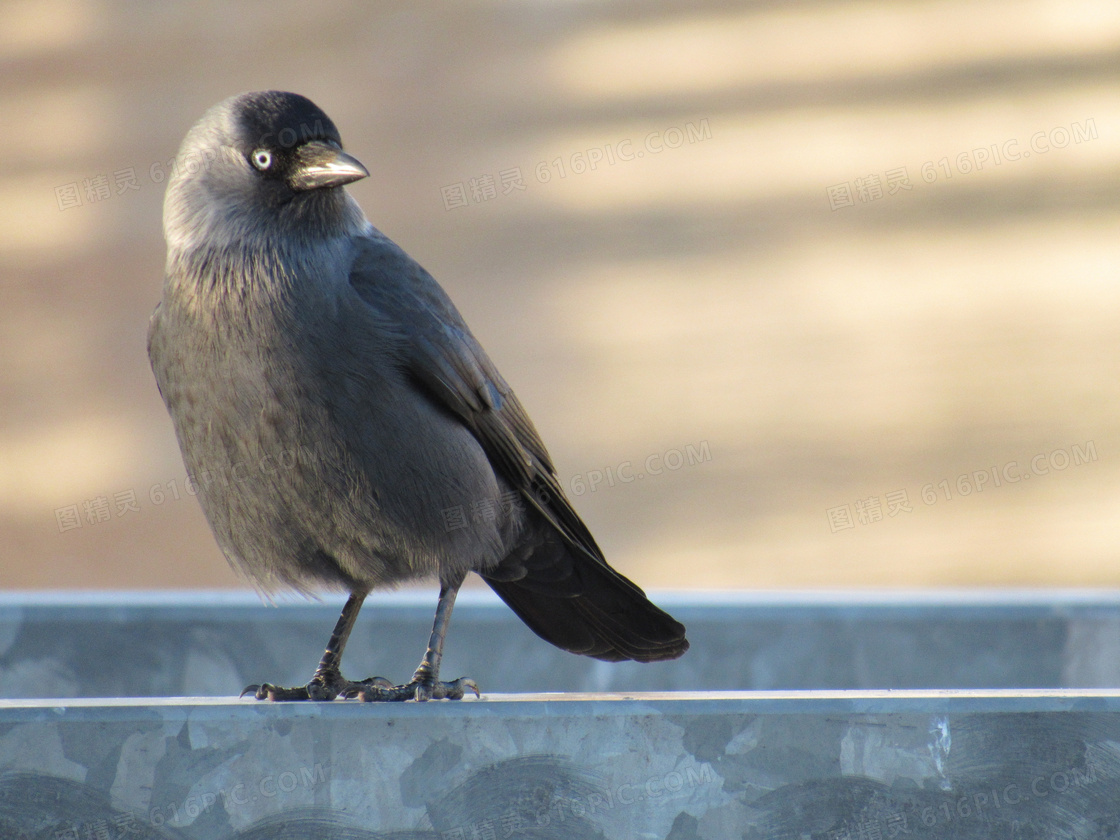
341, 423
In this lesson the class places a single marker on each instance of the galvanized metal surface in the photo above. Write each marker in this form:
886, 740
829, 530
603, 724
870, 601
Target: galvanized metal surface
794, 765
1009, 761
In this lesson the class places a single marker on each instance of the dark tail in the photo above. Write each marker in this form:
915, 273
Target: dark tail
582, 605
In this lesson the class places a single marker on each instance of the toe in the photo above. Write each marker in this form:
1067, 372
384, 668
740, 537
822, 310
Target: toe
268, 691
456, 689
357, 689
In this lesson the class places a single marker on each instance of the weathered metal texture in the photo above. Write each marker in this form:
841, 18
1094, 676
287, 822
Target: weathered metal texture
842, 766
679, 757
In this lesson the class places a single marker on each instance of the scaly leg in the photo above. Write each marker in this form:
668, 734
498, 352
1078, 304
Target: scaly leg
328, 682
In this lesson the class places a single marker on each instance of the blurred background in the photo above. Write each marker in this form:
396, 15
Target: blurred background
803, 294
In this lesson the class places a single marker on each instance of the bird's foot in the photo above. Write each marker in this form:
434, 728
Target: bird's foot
323, 686
419, 688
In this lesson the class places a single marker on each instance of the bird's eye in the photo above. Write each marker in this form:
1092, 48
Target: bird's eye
262, 159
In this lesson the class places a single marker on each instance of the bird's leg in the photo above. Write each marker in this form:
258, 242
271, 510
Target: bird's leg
425, 684
327, 682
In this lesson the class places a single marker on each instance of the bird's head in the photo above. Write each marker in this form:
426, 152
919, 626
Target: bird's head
260, 166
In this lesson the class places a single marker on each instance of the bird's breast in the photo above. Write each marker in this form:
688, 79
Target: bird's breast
301, 427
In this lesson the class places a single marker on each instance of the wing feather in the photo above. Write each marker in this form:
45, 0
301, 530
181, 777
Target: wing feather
438, 350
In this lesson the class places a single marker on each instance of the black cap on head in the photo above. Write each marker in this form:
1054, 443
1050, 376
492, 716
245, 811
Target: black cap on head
277, 119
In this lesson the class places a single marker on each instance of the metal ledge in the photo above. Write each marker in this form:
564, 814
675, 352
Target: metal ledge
829, 765
1021, 757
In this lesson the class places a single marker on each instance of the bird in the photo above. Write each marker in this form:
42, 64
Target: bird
343, 427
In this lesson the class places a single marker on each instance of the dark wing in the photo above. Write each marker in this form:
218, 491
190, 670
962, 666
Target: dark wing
555, 579
446, 359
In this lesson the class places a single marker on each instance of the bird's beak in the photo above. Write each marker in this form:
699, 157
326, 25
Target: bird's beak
322, 164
